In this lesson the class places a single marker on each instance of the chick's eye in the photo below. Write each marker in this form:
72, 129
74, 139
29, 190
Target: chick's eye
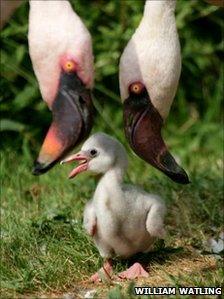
93, 152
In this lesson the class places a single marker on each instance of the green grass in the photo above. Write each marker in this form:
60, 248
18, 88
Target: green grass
45, 249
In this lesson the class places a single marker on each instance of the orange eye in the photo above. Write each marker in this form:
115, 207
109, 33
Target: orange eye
69, 66
136, 87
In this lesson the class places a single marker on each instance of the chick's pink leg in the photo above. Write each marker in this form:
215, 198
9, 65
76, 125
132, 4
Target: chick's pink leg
135, 271
105, 272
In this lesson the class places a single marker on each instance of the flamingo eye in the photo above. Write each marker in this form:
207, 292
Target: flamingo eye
93, 153
69, 66
136, 87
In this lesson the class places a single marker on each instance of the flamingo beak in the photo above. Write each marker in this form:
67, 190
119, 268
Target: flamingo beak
82, 159
72, 122
143, 124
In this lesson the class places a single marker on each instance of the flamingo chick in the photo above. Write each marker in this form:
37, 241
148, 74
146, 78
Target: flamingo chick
122, 219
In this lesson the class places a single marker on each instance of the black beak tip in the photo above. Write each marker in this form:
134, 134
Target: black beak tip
172, 169
181, 178
41, 168
37, 168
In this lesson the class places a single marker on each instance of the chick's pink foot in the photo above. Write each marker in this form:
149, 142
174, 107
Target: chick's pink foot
135, 271
104, 273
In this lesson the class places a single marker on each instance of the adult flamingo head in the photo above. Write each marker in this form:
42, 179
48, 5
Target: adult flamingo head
60, 48
149, 72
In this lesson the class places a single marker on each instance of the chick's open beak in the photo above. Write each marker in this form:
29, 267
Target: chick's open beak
83, 163
71, 123
143, 125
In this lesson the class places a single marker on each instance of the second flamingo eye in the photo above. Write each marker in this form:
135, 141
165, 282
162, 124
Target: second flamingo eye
136, 87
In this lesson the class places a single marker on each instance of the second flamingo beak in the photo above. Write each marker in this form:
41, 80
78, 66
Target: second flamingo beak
143, 125
72, 121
